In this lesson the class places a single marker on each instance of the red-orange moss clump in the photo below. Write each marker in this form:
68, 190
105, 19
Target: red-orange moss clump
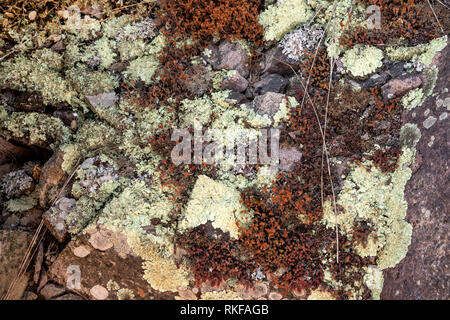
409, 20
205, 19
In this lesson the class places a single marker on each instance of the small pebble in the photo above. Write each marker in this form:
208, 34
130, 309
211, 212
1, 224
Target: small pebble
99, 292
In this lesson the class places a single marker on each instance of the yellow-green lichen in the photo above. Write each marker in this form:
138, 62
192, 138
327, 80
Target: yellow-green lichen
39, 72
362, 60
35, 128
423, 53
21, 204
215, 202
220, 295
374, 279
72, 155
283, 17
378, 199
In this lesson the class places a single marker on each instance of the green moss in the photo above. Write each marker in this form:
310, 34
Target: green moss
362, 60
35, 128
281, 18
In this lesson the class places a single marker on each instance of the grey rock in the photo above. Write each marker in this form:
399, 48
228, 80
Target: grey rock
236, 83
268, 103
103, 100
271, 82
288, 158
276, 62
68, 296
397, 87
231, 56
51, 291
55, 217
396, 70
375, 80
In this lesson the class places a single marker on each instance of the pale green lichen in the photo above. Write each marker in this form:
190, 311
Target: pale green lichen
362, 60
144, 67
220, 295
423, 53
281, 18
89, 82
374, 279
416, 97
72, 155
377, 198
36, 128
93, 135
214, 202
409, 135
39, 72
413, 99
21, 204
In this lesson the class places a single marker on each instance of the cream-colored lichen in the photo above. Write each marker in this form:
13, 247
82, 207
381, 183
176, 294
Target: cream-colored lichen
362, 60
320, 294
215, 202
283, 17
423, 53
220, 295
377, 198
374, 279
35, 128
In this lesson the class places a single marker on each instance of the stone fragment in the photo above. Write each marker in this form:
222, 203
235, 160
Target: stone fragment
276, 62
103, 100
13, 246
268, 103
55, 218
236, 83
397, 87
270, 82
52, 179
51, 291
99, 292
99, 268
232, 56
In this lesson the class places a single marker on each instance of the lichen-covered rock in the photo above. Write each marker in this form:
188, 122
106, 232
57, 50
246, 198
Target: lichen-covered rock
34, 129
52, 179
55, 218
16, 184
235, 82
295, 43
232, 56
397, 87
